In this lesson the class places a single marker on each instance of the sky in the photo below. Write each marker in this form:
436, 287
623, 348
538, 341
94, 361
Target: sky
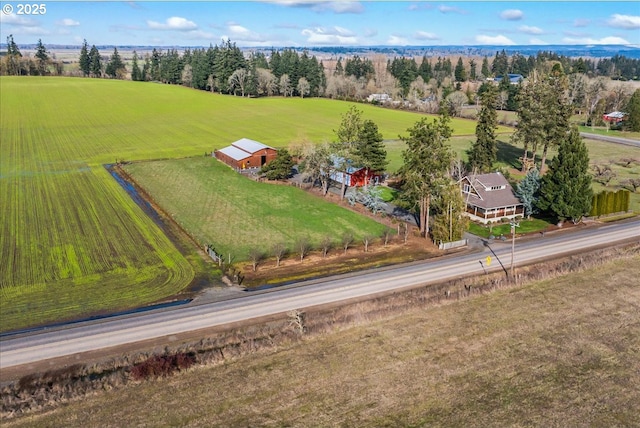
305, 23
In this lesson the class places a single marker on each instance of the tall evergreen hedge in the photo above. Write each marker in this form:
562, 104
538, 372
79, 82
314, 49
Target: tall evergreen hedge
608, 202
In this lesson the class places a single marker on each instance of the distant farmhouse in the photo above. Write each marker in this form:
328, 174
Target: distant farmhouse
514, 79
380, 98
490, 198
245, 154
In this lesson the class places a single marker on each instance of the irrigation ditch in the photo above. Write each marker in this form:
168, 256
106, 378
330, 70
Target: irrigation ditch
65, 380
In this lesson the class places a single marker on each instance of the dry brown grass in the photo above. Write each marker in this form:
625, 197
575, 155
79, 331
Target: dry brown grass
562, 352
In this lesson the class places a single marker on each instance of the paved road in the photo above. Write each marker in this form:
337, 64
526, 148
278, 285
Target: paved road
98, 335
612, 139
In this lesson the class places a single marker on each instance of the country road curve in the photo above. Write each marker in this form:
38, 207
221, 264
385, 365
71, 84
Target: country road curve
611, 139
102, 334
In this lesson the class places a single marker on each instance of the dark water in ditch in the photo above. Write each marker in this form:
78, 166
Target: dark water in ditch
133, 193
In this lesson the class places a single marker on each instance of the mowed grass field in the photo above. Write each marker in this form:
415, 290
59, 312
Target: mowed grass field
218, 206
557, 353
72, 242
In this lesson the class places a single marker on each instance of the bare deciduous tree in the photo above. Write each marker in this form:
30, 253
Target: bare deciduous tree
239, 80
278, 250
325, 245
267, 82
386, 235
347, 240
366, 240
303, 87
255, 255
303, 246
285, 85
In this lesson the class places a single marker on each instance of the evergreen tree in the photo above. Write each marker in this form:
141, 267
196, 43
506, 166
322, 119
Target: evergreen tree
460, 73
339, 71
13, 57
115, 67
425, 71
95, 62
449, 223
43, 58
346, 140
85, 62
426, 164
632, 109
484, 151
500, 66
484, 70
528, 191
369, 151
280, 167
136, 73
154, 69
565, 190
473, 75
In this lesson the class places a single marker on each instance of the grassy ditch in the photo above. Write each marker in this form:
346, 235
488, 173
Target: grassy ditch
559, 351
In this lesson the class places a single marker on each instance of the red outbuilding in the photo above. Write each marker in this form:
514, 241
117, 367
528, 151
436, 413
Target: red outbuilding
245, 154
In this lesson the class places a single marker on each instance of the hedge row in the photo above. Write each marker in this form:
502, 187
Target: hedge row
608, 202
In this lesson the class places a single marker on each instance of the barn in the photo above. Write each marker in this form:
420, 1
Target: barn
245, 154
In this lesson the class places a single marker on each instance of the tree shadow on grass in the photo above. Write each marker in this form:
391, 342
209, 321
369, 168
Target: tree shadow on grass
510, 155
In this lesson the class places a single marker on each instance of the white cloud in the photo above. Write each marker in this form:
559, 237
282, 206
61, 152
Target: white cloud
328, 36
530, 30
512, 14
345, 6
627, 22
242, 34
174, 23
68, 22
340, 6
17, 20
494, 40
423, 35
611, 40
451, 9
397, 41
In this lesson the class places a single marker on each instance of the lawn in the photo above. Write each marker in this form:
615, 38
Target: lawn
218, 206
562, 352
497, 230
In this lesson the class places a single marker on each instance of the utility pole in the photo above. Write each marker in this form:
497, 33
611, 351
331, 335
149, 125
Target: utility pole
513, 244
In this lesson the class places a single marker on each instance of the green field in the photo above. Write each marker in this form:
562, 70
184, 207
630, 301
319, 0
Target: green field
72, 242
218, 206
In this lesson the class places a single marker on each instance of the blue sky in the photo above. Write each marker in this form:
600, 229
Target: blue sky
325, 23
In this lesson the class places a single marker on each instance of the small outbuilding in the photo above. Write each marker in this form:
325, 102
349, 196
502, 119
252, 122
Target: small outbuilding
489, 197
614, 117
354, 176
245, 154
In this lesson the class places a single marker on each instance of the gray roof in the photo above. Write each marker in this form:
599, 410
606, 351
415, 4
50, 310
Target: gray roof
249, 146
235, 153
491, 180
488, 199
